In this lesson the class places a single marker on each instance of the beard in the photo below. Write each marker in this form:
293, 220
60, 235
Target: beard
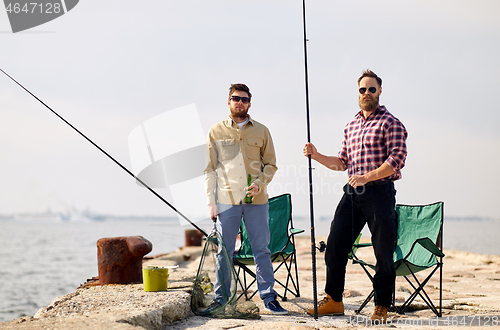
240, 113
369, 105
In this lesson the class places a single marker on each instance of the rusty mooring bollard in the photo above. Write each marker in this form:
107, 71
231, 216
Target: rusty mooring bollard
120, 259
193, 237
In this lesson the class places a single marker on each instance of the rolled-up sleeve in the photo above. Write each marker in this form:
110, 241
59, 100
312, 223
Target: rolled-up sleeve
209, 172
268, 161
343, 155
396, 145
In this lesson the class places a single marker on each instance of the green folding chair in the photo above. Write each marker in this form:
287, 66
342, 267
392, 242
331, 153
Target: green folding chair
281, 245
419, 247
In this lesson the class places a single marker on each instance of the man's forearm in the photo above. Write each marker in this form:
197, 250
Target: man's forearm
331, 162
210, 187
380, 173
266, 175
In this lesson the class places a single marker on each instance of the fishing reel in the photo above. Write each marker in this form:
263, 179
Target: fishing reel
321, 247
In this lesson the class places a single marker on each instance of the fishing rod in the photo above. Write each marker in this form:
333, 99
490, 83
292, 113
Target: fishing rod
311, 208
109, 156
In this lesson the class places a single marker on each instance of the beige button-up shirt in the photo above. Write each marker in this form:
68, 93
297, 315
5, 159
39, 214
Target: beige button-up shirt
232, 154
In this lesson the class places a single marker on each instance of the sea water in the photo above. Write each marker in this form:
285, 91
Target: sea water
44, 259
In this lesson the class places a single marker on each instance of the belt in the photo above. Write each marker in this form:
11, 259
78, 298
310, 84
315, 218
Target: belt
377, 183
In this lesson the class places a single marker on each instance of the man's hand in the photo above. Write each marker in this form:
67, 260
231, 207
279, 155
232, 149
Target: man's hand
310, 149
357, 181
213, 210
380, 173
252, 190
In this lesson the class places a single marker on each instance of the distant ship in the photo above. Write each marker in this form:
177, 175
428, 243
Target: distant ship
72, 215
77, 216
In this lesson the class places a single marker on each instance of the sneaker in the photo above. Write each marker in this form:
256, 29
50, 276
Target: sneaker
380, 314
275, 308
328, 306
213, 306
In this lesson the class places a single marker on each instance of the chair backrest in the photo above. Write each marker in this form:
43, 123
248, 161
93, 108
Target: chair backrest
417, 222
280, 218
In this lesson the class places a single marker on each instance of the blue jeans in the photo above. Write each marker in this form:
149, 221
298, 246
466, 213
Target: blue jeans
256, 218
375, 206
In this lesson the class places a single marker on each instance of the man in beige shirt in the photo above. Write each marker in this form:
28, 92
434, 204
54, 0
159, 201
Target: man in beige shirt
239, 146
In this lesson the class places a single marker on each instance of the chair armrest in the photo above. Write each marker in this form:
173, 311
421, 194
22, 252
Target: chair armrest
430, 246
362, 245
295, 231
427, 244
363, 263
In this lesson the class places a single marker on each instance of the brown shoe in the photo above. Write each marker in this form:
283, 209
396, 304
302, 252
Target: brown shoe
380, 314
328, 306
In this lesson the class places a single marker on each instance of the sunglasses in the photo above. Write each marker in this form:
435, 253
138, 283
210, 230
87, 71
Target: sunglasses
372, 90
237, 99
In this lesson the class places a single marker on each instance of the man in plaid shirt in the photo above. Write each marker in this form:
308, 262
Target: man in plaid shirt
373, 152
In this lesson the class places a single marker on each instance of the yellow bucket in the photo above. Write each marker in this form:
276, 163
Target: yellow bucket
155, 278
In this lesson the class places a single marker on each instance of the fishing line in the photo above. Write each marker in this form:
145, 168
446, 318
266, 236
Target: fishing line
311, 208
109, 156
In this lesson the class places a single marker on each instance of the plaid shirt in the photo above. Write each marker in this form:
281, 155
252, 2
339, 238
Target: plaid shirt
369, 143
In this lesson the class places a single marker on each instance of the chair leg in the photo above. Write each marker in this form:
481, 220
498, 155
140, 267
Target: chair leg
245, 286
296, 283
287, 260
371, 295
418, 292
242, 285
294, 260
441, 288
290, 280
289, 277
287, 282
393, 308
285, 286
367, 300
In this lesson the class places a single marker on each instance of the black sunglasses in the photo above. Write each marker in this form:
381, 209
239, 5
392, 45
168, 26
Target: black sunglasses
372, 90
237, 99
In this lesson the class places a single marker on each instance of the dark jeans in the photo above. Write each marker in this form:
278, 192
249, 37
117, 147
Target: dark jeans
374, 205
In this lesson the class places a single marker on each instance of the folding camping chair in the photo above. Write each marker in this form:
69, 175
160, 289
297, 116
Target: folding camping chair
281, 245
419, 247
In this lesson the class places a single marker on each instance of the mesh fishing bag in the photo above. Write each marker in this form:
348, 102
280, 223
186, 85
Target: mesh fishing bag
215, 286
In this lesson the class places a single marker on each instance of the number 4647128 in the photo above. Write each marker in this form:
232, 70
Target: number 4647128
34, 7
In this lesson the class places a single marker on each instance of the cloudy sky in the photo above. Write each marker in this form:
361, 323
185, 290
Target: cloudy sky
108, 66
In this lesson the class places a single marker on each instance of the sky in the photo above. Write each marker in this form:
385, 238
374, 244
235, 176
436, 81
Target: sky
108, 66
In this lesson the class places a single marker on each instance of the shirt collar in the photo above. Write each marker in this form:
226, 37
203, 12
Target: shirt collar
230, 121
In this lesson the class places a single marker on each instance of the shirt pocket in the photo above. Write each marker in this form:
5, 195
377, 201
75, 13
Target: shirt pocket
253, 147
374, 138
227, 150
